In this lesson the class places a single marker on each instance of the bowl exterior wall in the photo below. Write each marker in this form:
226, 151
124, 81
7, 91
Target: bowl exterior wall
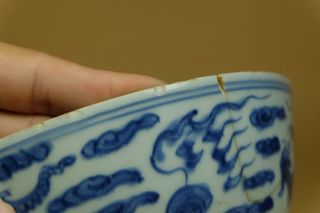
214, 144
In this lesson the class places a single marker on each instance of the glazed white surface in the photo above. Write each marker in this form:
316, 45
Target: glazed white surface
68, 134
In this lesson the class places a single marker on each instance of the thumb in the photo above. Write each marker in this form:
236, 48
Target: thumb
5, 208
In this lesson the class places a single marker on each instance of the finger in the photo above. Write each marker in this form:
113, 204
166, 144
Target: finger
5, 208
33, 82
12, 122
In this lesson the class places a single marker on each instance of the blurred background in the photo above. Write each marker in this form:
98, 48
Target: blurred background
178, 40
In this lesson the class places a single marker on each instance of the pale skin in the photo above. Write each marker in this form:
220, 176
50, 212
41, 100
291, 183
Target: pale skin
35, 86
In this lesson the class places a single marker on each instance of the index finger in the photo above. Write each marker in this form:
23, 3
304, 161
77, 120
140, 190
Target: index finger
34, 82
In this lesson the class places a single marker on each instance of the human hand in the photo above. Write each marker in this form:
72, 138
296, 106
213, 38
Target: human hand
35, 86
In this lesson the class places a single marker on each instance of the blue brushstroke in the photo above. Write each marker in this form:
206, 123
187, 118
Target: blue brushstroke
22, 160
286, 174
131, 204
187, 125
220, 154
93, 187
233, 182
257, 207
190, 199
114, 140
215, 135
269, 146
264, 117
185, 151
171, 135
42, 188
259, 179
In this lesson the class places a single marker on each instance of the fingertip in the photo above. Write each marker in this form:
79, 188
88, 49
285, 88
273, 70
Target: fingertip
139, 80
147, 81
154, 81
5, 207
119, 84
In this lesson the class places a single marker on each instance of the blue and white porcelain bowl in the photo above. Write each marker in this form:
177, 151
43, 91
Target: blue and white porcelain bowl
212, 144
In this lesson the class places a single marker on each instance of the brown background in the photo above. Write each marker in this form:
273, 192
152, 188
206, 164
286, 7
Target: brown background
182, 39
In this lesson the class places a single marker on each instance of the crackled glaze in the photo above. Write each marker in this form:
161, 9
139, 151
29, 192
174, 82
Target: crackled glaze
213, 144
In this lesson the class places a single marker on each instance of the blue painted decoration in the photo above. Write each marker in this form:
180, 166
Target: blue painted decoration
185, 151
22, 160
93, 187
233, 182
215, 135
182, 137
259, 179
264, 117
286, 174
187, 126
269, 146
220, 154
131, 204
190, 199
257, 207
42, 188
114, 140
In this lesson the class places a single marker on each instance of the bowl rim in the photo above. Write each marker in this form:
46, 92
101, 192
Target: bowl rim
154, 93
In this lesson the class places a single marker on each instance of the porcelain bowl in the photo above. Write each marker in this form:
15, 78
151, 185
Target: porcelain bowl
212, 144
